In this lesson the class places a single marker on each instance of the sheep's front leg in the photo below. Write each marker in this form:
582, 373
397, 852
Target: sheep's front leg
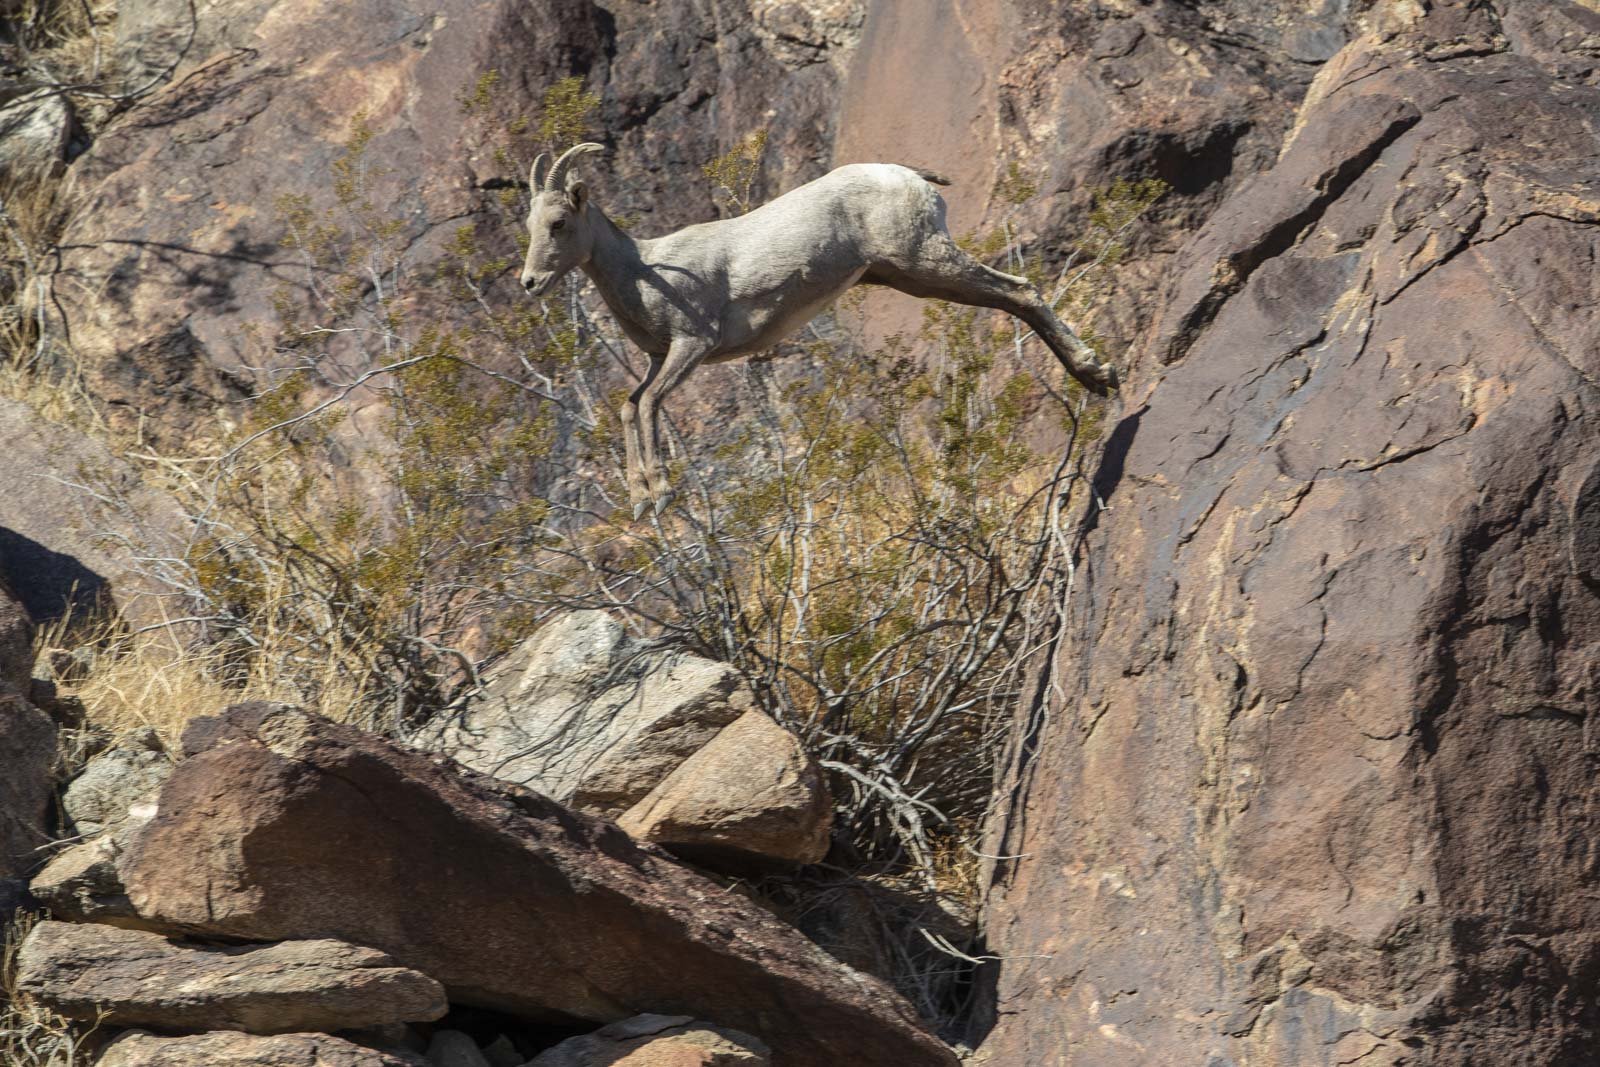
684, 355
638, 486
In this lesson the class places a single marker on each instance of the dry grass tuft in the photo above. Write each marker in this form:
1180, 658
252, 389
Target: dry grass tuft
127, 680
35, 366
31, 1035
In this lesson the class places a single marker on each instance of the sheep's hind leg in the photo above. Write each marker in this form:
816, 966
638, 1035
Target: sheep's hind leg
942, 271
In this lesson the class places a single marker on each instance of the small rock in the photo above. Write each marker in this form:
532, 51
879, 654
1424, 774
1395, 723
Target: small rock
117, 783
136, 978
35, 130
452, 1048
81, 884
751, 793
229, 1049
502, 1053
658, 1041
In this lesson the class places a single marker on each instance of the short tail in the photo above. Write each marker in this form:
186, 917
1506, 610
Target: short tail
930, 176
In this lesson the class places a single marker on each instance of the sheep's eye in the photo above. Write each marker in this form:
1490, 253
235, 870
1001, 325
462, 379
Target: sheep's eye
556, 225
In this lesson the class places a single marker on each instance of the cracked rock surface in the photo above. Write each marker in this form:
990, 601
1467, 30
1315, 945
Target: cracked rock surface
1316, 778
134, 978
279, 823
229, 1049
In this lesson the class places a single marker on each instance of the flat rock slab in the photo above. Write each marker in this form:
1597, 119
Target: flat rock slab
137, 978
229, 1049
280, 824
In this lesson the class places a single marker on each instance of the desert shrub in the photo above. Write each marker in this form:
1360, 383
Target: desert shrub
431, 467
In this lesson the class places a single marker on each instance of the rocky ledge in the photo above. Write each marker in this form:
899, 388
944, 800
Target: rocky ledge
299, 891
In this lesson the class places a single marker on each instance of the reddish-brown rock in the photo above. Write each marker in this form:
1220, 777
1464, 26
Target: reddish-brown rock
16, 641
282, 825
27, 783
230, 1049
753, 793
134, 978
1314, 781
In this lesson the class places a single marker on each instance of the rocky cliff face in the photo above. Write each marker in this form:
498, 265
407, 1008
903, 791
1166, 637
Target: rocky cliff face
180, 245
1315, 779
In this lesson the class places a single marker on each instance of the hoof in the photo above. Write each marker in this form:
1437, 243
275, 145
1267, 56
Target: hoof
1109, 375
639, 509
664, 501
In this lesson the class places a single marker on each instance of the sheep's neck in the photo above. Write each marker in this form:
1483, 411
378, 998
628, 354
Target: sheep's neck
616, 268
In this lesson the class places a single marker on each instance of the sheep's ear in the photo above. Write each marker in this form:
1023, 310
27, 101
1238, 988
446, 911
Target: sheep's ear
577, 193
541, 167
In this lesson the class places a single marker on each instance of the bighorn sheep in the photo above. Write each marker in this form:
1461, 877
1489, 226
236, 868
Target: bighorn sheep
720, 290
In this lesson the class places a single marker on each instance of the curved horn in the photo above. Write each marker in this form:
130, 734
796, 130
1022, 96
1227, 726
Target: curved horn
556, 179
540, 167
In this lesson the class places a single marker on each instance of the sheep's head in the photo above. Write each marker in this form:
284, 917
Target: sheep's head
559, 234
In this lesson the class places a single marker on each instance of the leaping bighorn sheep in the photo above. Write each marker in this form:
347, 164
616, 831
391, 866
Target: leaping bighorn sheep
720, 290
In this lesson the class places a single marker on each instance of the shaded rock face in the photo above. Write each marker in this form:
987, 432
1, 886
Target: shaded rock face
452, 1048
16, 642
281, 825
81, 883
133, 978
225, 1049
1314, 779
28, 748
657, 1041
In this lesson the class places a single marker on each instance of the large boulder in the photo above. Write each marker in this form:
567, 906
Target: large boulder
657, 1041
751, 793
1310, 779
134, 978
230, 1049
666, 742
589, 716
279, 824
62, 549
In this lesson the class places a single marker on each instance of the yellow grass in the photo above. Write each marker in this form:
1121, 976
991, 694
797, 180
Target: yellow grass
31, 1035
127, 681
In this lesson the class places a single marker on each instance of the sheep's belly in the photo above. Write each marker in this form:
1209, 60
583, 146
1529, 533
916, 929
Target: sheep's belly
754, 325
